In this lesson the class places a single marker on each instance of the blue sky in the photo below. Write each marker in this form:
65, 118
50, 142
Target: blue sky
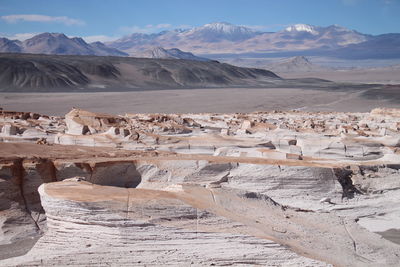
109, 19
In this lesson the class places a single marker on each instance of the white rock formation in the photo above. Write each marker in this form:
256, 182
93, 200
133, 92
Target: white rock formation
280, 188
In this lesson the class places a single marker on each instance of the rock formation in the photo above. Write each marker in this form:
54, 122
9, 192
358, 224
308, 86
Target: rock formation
268, 188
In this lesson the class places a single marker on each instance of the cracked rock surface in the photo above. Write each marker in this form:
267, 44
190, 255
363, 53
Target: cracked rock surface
266, 188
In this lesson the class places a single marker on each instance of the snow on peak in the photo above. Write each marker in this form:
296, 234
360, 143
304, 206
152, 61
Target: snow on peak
226, 27
217, 31
302, 28
340, 28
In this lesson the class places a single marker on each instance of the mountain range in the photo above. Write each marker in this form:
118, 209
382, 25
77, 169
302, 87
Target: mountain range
297, 64
30, 72
221, 38
173, 53
215, 39
294, 64
224, 37
58, 44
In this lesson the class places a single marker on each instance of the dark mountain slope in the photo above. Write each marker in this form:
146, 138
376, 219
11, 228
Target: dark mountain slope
28, 72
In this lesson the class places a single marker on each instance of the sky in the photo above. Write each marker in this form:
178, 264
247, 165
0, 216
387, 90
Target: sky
106, 20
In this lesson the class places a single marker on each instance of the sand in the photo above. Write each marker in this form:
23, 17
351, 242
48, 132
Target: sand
221, 100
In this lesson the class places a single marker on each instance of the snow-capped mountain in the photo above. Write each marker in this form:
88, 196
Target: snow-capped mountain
207, 34
173, 53
305, 37
57, 44
222, 37
219, 31
302, 28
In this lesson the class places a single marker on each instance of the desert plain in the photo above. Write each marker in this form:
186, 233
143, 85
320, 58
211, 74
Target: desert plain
200, 133
200, 177
291, 170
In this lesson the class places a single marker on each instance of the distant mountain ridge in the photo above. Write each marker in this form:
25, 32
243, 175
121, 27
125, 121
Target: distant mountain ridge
383, 46
295, 64
214, 32
7, 45
173, 53
221, 39
57, 44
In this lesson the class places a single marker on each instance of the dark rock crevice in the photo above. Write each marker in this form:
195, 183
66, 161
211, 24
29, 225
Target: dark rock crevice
19, 173
343, 176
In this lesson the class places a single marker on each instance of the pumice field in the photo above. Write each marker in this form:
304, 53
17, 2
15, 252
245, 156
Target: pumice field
279, 188
200, 133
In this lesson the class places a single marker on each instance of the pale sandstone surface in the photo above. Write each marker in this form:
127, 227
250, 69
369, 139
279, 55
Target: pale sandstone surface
270, 188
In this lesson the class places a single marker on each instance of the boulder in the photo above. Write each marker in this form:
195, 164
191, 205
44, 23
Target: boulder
74, 127
82, 122
247, 125
34, 116
9, 129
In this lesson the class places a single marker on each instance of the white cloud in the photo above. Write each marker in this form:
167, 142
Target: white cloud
41, 18
99, 38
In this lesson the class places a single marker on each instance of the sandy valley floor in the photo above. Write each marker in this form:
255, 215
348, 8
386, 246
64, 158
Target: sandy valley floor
220, 100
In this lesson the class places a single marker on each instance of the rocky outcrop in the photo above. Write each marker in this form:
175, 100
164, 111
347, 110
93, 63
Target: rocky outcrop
121, 230
23, 215
81, 122
124, 217
168, 180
